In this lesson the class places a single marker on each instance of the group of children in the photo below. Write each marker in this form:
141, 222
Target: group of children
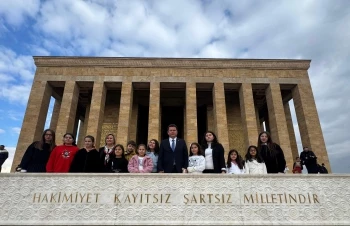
45, 156
253, 163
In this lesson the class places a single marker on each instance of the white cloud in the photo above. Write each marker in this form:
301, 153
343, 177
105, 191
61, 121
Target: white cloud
16, 75
17, 93
16, 130
2, 131
16, 11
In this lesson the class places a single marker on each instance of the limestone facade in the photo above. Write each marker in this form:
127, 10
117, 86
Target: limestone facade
136, 98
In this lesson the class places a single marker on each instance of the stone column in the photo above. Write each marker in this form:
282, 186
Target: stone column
191, 113
34, 119
154, 112
293, 141
309, 123
220, 117
248, 114
68, 110
133, 123
97, 109
125, 113
55, 113
277, 121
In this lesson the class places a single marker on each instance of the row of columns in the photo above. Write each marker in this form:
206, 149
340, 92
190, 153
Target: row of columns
281, 127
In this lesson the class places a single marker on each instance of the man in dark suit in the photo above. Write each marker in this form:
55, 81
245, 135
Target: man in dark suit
173, 153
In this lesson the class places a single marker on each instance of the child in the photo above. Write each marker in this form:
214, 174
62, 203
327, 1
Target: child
234, 163
87, 159
297, 166
62, 155
254, 162
130, 150
119, 162
153, 152
140, 163
196, 161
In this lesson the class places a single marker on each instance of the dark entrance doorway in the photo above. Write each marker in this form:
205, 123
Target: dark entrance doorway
172, 115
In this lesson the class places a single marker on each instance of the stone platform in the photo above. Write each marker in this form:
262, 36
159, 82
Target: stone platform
169, 199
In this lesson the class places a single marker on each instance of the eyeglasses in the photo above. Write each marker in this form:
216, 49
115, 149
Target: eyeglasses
48, 134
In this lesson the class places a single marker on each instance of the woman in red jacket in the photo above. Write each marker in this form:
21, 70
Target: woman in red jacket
62, 155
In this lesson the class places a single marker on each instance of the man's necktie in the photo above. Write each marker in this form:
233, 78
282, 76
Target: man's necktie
173, 145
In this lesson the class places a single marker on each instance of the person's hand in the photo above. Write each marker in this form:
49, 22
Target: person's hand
184, 170
223, 172
161, 172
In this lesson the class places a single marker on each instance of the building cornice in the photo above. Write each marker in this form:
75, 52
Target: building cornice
195, 63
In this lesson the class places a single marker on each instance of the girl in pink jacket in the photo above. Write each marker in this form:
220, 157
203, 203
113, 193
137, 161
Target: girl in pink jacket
140, 163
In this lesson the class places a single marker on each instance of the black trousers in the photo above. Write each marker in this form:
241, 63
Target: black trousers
312, 168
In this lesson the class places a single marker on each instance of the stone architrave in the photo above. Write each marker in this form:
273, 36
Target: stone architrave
94, 127
68, 110
34, 119
309, 123
154, 112
125, 113
248, 114
191, 113
277, 121
220, 117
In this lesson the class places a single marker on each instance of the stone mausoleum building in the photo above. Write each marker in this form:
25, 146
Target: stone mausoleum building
137, 98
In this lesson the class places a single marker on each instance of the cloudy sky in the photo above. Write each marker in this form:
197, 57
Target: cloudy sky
305, 29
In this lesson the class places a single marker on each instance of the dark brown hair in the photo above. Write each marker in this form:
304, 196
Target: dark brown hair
40, 144
239, 159
199, 149
156, 148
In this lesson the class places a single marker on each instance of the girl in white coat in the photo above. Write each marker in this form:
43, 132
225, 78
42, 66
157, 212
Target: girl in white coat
234, 163
254, 162
196, 161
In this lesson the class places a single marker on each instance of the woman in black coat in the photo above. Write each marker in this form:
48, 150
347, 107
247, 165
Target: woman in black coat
37, 154
271, 153
213, 154
87, 159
